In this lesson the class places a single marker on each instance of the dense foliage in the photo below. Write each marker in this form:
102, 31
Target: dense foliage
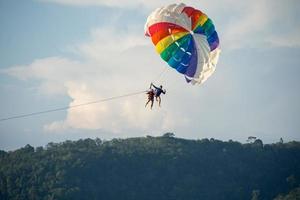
292, 195
160, 168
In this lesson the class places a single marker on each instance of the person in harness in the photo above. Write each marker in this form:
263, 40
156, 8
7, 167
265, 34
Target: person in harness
150, 94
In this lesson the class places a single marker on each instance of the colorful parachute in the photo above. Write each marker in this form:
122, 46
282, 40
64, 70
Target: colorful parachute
186, 39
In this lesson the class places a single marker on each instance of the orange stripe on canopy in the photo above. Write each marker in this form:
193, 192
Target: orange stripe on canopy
159, 35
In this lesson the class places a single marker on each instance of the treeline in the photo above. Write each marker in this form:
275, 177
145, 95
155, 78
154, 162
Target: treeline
160, 168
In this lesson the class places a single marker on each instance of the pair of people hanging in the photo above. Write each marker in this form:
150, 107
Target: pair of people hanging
154, 91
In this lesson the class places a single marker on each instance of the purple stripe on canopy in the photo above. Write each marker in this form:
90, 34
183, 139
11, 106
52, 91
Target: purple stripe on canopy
187, 80
192, 66
214, 45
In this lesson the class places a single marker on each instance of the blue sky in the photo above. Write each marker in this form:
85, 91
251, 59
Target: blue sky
56, 53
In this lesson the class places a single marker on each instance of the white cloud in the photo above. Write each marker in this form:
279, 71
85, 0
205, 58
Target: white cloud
242, 31
112, 64
50, 71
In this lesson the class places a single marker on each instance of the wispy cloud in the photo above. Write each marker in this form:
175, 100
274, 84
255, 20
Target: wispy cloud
241, 24
288, 38
257, 23
115, 3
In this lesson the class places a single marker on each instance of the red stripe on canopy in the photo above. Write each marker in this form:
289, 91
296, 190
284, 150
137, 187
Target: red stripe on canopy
164, 26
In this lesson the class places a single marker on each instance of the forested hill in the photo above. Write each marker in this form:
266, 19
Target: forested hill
152, 168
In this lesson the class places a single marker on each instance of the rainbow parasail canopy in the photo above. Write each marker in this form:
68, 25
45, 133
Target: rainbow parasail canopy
186, 39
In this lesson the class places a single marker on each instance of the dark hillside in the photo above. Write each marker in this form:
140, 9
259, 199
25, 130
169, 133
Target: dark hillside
160, 168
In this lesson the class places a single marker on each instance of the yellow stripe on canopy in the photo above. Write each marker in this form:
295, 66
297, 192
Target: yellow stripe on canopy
164, 43
202, 19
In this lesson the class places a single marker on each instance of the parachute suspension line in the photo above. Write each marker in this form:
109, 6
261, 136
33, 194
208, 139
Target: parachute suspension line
160, 75
71, 107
